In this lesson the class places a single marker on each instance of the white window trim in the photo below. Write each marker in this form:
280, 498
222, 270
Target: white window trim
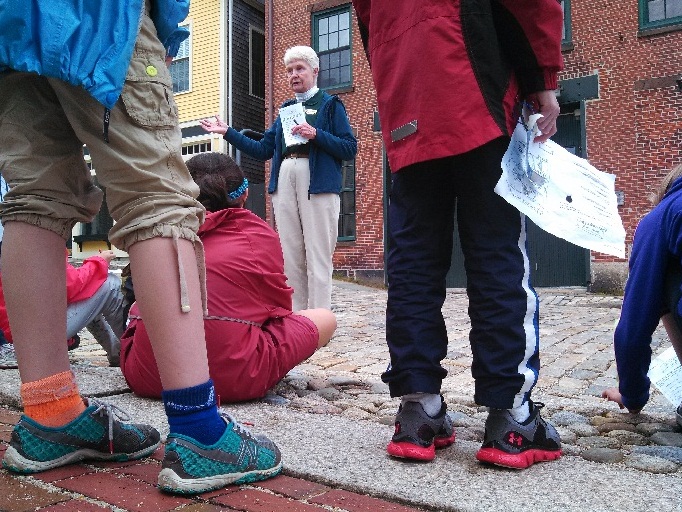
187, 24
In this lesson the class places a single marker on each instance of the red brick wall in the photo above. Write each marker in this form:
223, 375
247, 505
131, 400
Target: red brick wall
634, 128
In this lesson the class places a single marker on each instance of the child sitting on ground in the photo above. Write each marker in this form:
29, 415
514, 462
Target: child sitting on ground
252, 336
94, 301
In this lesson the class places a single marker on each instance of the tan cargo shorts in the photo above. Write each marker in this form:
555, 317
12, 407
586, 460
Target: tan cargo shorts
44, 123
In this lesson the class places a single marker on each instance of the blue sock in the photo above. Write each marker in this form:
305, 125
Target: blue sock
193, 412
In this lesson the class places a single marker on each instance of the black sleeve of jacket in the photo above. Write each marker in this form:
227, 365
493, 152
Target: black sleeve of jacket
517, 50
364, 35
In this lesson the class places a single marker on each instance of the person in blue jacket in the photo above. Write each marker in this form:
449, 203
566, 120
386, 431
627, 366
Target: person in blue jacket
305, 178
75, 72
653, 292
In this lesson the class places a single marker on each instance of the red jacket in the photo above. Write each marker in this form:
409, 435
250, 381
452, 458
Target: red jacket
456, 69
246, 287
81, 284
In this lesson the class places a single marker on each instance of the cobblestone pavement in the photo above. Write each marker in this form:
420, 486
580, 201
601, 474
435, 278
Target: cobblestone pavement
577, 359
576, 330
343, 379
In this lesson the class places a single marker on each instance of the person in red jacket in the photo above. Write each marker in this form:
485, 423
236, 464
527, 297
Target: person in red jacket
445, 138
252, 336
94, 301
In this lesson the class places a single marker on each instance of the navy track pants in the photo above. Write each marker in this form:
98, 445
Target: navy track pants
503, 307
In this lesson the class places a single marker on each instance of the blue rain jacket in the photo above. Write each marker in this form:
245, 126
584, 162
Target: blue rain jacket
334, 143
83, 42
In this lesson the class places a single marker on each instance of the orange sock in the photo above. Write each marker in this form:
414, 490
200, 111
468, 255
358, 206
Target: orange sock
53, 401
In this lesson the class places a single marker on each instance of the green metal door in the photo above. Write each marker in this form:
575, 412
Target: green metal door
553, 261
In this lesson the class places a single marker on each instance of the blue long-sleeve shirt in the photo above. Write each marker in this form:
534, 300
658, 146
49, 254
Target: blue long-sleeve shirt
657, 242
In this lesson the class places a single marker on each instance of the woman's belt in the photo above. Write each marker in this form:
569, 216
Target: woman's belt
296, 155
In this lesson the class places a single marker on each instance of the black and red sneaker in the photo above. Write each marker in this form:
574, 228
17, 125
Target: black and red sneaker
73, 342
417, 435
516, 445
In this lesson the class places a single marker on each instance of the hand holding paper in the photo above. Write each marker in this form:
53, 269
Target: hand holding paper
561, 192
547, 106
291, 116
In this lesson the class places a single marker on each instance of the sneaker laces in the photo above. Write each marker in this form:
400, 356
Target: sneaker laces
539, 405
112, 412
236, 425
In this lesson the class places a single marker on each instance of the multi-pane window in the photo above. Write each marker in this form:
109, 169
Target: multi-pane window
347, 213
331, 40
180, 68
658, 13
257, 63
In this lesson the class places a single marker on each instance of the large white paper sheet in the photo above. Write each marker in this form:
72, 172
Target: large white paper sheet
665, 373
562, 193
290, 116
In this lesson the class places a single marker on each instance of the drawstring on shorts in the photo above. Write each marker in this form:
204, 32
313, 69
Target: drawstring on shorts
105, 128
201, 266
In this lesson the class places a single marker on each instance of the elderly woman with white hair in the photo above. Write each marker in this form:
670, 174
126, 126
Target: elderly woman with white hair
305, 179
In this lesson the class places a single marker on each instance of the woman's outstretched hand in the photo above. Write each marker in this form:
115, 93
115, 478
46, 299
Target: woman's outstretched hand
217, 126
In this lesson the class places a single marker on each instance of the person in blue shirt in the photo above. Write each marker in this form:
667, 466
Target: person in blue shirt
75, 72
653, 292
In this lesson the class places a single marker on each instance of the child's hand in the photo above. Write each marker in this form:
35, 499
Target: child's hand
107, 255
614, 395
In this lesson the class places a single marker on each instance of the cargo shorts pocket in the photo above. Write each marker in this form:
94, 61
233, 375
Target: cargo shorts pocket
148, 92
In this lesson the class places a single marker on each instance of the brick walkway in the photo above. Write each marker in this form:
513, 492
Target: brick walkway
131, 486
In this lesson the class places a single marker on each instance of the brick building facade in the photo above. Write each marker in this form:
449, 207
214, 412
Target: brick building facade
633, 128
620, 92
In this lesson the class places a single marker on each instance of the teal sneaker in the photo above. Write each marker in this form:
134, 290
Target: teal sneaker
97, 434
238, 457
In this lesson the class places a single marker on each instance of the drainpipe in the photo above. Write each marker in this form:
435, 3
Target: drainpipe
222, 78
271, 97
271, 67
230, 68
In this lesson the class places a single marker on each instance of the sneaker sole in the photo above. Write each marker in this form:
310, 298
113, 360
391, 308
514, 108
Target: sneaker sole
444, 442
169, 481
518, 460
14, 461
405, 450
